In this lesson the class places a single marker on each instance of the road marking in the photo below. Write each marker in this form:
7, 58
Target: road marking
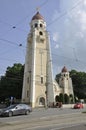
47, 117
71, 124
66, 127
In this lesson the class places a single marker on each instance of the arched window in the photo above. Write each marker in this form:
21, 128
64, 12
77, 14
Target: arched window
61, 97
41, 80
36, 25
57, 99
28, 80
41, 33
71, 98
41, 25
41, 101
66, 98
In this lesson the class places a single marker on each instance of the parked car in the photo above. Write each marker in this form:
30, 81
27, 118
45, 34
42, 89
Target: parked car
16, 109
78, 106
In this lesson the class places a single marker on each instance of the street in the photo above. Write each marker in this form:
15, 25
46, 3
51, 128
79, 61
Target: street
47, 119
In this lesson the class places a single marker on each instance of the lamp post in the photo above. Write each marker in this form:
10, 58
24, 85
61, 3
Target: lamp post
46, 102
29, 84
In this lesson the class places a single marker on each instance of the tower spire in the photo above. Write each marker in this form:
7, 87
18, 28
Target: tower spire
37, 9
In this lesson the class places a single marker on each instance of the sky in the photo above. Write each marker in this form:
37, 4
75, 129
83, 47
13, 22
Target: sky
66, 24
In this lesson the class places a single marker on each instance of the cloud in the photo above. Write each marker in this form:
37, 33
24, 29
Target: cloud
57, 46
72, 33
75, 22
83, 20
79, 16
84, 2
55, 14
80, 34
55, 37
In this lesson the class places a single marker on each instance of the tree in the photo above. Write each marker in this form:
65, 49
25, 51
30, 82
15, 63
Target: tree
11, 84
79, 83
57, 77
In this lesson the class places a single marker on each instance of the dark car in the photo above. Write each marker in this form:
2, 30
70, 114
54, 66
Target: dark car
16, 109
78, 106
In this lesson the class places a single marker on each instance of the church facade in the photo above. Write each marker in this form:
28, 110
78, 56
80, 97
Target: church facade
38, 86
63, 90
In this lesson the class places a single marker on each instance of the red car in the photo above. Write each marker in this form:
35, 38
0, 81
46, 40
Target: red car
78, 106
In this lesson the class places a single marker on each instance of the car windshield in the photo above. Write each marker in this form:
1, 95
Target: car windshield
11, 106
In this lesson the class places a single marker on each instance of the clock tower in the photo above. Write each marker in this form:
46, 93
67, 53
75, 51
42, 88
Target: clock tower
38, 82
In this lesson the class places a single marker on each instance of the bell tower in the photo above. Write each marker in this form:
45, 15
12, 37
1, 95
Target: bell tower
38, 82
66, 82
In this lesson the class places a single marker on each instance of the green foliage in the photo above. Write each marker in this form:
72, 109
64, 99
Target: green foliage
11, 83
79, 83
57, 77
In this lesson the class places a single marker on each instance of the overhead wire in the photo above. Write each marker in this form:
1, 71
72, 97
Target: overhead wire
65, 13
49, 24
9, 42
16, 25
12, 27
52, 21
38, 66
13, 43
56, 56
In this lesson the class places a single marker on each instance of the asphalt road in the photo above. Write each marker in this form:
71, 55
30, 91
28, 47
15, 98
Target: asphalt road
46, 119
74, 127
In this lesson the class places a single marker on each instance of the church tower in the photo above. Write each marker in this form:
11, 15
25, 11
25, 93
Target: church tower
66, 82
38, 82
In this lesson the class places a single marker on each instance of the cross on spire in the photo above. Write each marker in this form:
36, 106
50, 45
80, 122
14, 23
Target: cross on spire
37, 9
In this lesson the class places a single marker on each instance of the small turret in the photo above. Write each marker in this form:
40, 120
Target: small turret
64, 69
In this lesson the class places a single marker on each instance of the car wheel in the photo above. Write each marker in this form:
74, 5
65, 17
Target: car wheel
10, 114
27, 112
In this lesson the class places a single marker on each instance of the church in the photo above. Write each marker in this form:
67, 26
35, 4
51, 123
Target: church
39, 89
63, 90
